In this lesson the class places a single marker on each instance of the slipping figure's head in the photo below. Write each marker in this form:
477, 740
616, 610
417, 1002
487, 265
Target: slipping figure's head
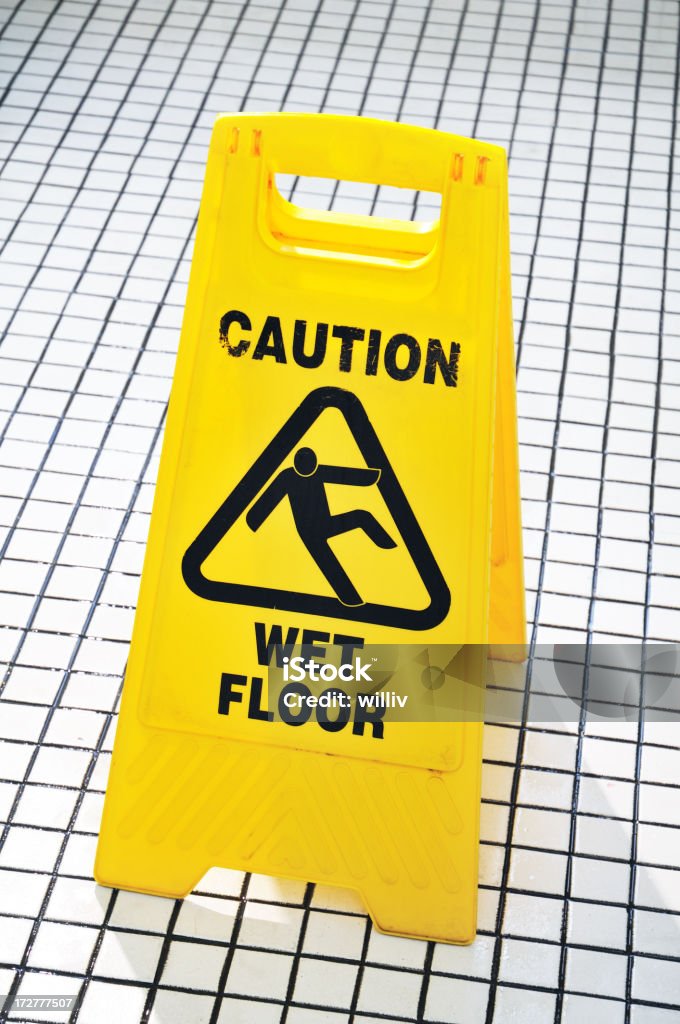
305, 461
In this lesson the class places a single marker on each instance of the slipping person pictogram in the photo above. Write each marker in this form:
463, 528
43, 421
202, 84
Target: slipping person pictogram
285, 467
304, 484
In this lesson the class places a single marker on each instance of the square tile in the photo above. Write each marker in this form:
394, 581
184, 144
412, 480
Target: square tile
456, 998
137, 911
195, 965
389, 992
302, 1015
596, 924
537, 871
46, 807
77, 899
30, 848
577, 1008
108, 1003
652, 976
330, 935
529, 963
206, 917
394, 951
600, 880
595, 973
530, 916
652, 1015
656, 932
130, 957
179, 1007
324, 983
62, 947
261, 975
523, 1006
14, 934
248, 1011
270, 926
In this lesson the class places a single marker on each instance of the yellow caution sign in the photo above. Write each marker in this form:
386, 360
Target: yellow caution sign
335, 443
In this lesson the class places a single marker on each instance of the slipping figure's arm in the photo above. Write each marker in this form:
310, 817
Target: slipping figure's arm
268, 500
349, 475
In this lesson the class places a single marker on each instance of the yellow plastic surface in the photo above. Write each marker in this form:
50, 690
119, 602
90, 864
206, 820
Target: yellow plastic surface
394, 817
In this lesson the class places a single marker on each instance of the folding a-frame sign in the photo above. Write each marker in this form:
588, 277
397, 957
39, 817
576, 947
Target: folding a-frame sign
339, 467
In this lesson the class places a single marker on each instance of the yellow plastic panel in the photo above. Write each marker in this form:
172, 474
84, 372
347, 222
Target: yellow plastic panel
327, 476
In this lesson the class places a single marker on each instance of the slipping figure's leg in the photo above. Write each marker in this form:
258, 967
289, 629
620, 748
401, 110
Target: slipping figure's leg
333, 571
361, 520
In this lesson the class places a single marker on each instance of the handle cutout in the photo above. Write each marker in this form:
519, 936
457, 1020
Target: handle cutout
327, 216
360, 198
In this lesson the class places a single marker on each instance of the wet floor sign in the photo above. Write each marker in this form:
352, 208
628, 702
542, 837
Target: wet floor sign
336, 442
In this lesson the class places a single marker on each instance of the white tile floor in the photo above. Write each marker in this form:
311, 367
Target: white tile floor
106, 113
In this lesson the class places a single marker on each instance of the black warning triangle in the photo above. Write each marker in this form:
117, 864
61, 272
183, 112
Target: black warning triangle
262, 488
